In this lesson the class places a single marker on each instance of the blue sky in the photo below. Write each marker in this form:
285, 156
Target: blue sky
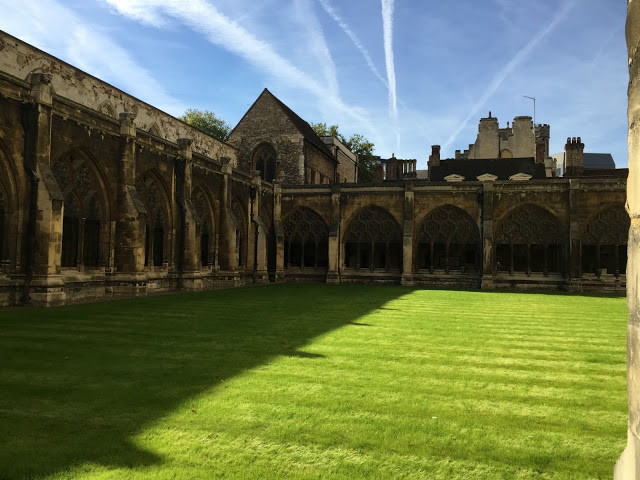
406, 74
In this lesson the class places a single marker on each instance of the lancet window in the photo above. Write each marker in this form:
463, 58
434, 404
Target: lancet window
604, 242
264, 160
306, 239
529, 240
373, 240
449, 240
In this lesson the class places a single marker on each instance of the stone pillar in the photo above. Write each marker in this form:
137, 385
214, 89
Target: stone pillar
131, 217
277, 225
488, 253
628, 466
407, 236
258, 233
227, 227
333, 273
188, 225
43, 283
573, 269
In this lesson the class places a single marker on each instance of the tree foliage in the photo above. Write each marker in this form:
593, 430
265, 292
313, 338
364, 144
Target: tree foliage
207, 122
358, 144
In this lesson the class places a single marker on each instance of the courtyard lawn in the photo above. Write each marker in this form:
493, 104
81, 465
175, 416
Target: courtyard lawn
315, 381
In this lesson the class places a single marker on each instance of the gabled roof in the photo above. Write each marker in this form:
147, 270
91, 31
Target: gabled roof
303, 127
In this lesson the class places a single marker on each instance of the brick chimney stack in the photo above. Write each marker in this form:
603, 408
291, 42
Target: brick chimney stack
434, 158
574, 157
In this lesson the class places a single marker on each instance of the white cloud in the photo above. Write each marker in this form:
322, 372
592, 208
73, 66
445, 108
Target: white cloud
48, 25
387, 30
226, 33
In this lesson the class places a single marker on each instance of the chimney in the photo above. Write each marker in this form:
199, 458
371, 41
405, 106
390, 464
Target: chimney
541, 134
574, 157
434, 159
379, 173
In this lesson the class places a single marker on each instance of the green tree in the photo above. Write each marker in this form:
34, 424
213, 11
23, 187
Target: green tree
207, 122
358, 144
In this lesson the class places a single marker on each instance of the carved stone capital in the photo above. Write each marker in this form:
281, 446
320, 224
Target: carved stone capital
127, 123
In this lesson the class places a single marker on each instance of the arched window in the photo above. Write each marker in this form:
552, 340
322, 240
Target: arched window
207, 231
264, 159
604, 242
373, 240
448, 239
505, 153
84, 224
306, 240
157, 242
240, 215
529, 239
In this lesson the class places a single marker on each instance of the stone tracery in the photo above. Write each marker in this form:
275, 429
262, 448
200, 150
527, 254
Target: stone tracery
305, 239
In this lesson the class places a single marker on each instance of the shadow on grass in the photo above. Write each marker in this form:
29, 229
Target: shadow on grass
77, 383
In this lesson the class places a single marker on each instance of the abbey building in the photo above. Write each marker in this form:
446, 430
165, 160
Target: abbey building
103, 195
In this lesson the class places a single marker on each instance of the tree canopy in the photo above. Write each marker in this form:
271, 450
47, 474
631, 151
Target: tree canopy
358, 144
207, 122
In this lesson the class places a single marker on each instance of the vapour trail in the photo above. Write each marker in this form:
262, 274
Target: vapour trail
387, 31
509, 67
353, 37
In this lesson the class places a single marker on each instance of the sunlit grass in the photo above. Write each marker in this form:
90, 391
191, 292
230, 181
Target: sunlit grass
316, 382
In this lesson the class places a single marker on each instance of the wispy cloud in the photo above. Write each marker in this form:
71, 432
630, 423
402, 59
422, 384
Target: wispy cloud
387, 30
224, 32
48, 25
354, 38
515, 61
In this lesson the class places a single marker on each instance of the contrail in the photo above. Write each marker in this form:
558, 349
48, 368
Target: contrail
387, 30
509, 67
356, 41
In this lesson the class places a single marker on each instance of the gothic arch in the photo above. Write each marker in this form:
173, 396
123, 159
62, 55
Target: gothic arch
239, 211
159, 230
528, 239
264, 158
107, 108
154, 129
306, 239
10, 204
87, 210
604, 241
448, 238
205, 209
373, 240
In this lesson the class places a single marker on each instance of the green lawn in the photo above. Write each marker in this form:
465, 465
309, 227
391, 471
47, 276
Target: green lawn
315, 381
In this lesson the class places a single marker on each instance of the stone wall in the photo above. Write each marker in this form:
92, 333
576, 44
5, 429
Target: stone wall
492, 141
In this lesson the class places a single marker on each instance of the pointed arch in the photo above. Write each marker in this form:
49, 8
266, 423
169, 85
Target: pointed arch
86, 234
528, 239
604, 241
264, 159
11, 201
154, 129
107, 109
448, 238
373, 239
204, 205
306, 239
154, 195
239, 211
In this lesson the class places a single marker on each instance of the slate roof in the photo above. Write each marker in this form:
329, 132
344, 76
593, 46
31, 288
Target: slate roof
503, 168
606, 173
598, 161
305, 129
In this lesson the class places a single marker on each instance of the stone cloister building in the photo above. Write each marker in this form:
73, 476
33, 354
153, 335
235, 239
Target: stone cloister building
103, 195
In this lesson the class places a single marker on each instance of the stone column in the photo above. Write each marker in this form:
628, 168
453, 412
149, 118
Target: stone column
407, 236
188, 245
573, 269
488, 260
258, 234
43, 283
227, 227
131, 217
333, 272
277, 225
628, 466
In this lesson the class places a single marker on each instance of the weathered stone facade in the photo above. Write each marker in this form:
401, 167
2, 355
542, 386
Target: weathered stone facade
103, 195
628, 466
